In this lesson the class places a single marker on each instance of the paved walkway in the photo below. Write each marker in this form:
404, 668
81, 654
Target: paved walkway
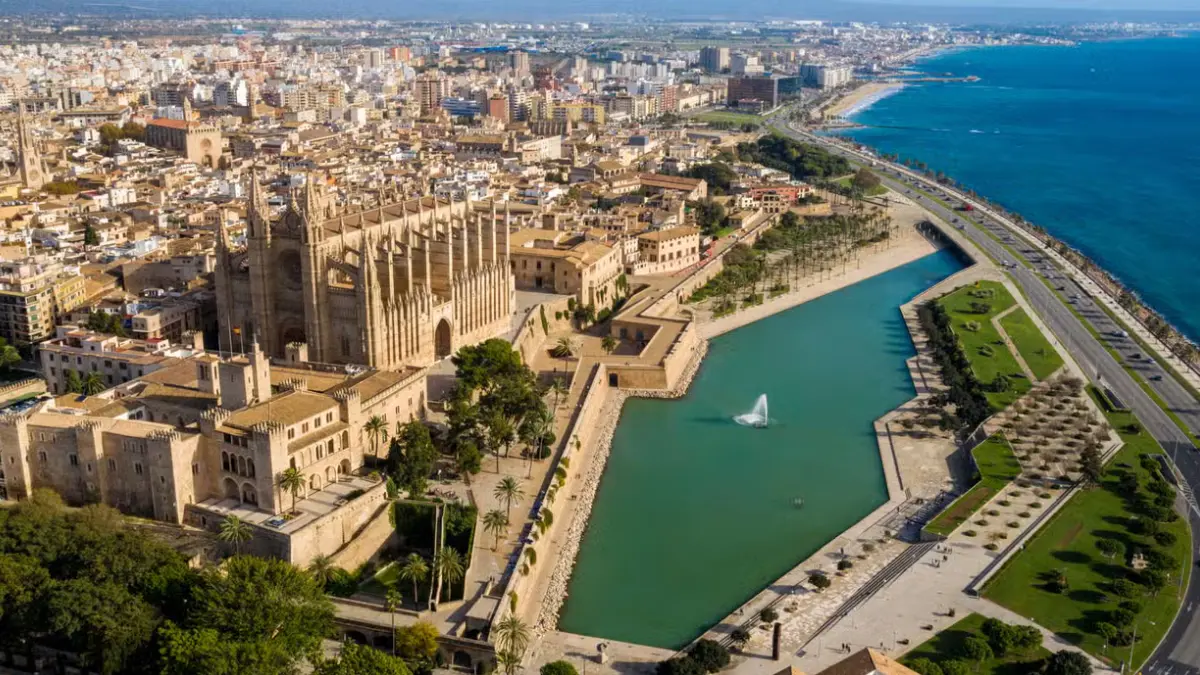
1012, 347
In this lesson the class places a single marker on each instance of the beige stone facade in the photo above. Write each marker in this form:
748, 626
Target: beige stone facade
667, 251
403, 283
546, 260
210, 437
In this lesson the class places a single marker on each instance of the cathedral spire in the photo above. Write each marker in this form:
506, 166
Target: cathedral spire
258, 212
30, 160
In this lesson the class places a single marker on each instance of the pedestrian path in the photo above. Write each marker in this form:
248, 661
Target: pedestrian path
1012, 347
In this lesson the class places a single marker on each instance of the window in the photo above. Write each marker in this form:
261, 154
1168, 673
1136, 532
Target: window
137, 468
74, 459
112, 465
291, 434
329, 417
42, 457
195, 469
225, 461
304, 428
317, 423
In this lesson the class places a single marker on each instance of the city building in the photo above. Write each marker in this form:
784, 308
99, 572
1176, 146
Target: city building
199, 142
567, 264
763, 89
714, 59
666, 251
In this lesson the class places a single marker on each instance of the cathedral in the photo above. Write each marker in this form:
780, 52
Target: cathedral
402, 283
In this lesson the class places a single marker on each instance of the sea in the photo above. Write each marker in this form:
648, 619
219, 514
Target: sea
1098, 143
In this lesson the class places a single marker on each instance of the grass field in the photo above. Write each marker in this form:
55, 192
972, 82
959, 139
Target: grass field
1037, 351
844, 181
947, 646
997, 467
977, 343
727, 116
1068, 543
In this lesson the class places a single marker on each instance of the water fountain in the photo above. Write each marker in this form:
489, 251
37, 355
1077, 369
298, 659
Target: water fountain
756, 417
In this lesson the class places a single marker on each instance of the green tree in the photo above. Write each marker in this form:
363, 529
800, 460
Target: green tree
74, 383
412, 457
291, 481
609, 344
9, 356
450, 570
819, 581
1067, 663
103, 622
322, 570
417, 644
512, 635
501, 433
393, 601
90, 236
356, 659
924, 666
509, 492
865, 180
93, 384
709, 655
955, 667
235, 531
414, 570
976, 649
467, 458
710, 216
377, 430
558, 668
495, 522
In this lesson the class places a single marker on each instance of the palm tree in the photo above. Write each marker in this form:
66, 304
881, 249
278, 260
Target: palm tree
608, 344
448, 562
393, 600
512, 636
502, 431
495, 522
74, 383
508, 491
415, 570
92, 384
235, 531
508, 662
377, 430
321, 569
559, 390
292, 481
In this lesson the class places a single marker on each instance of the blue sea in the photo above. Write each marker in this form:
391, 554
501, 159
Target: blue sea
1098, 143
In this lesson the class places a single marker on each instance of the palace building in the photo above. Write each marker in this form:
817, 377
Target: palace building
402, 283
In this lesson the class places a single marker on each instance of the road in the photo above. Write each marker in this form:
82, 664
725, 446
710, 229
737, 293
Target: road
1179, 653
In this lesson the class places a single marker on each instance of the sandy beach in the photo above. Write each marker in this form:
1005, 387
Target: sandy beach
862, 97
907, 248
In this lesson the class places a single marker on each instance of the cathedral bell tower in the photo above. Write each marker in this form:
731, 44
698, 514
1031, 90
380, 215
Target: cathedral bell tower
33, 173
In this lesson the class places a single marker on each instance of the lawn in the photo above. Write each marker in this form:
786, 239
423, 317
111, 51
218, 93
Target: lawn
844, 181
947, 646
727, 116
1068, 544
1037, 351
984, 347
997, 467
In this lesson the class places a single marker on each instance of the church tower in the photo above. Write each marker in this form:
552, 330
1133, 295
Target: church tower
30, 160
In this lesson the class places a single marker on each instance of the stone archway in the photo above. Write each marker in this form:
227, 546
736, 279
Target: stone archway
291, 332
355, 636
441, 340
249, 494
231, 489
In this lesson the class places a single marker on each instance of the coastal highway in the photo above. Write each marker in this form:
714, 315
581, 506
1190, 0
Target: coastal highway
1179, 653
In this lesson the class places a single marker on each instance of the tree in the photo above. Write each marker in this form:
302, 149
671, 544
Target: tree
414, 570
1067, 663
249, 615
1109, 547
235, 531
679, 665
9, 356
1001, 636
92, 384
496, 523
558, 668
509, 492
377, 430
819, 581
710, 216
512, 635
467, 458
709, 655
955, 667
740, 636
1092, 469
508, 662
417, 643
74, 383
924, 666
448, 563
103, 622
608, 344
976, 649
393, 600
291, 480
412, 457
865, 180
563, 349
322, 570
502, 434
356, 659
90, 236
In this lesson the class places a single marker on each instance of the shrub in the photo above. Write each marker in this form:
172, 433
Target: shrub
768, 615
709, 655
558, 668
969, 533
844, 565
982, 522
991, 546
924, 667
680, 665
1004, 502
993, 512
1067, 663
1024, 514
819, 581
1125, 588
1120, 617
956, 667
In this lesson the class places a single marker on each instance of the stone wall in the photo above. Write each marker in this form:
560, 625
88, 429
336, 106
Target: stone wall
372, 538
530, 336
14, 390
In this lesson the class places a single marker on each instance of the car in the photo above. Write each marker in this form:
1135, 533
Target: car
1136, 356
1155, 377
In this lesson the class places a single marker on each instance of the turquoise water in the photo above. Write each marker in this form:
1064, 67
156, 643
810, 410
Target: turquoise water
695, 514
1098, 143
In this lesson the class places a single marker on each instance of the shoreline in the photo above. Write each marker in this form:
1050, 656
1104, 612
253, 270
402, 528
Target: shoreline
863, 98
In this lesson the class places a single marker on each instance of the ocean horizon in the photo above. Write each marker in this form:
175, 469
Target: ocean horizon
1096, 143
